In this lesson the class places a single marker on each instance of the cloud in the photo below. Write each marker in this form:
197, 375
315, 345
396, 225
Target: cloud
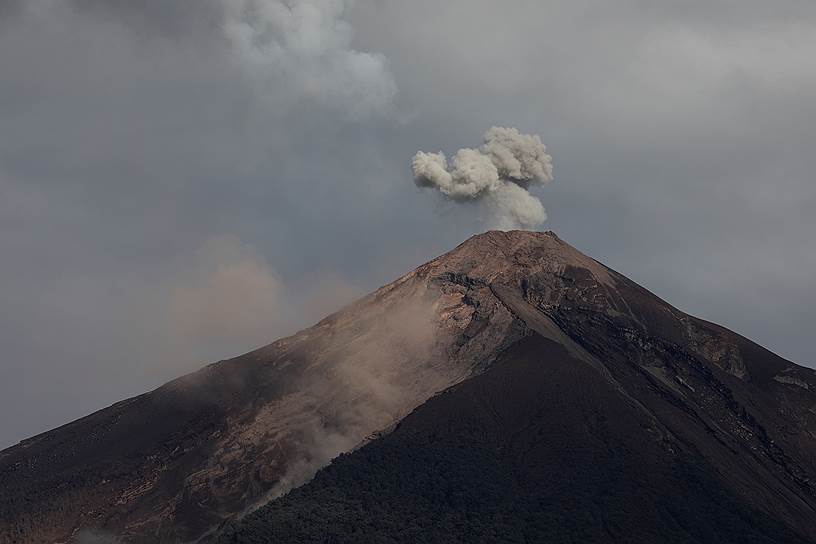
499, 174
226, 294
289, 51
307, 45
225, 298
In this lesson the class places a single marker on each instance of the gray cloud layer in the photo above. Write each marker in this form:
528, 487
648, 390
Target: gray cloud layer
135, 138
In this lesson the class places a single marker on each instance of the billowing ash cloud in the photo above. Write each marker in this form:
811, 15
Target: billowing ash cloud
499, 173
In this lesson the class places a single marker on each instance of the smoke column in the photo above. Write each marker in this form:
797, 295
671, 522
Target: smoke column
499, 174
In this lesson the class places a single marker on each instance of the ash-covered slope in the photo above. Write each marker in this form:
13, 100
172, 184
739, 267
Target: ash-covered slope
652, 388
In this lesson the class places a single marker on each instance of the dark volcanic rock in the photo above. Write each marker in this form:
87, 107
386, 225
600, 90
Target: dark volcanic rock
663, 422
539, 448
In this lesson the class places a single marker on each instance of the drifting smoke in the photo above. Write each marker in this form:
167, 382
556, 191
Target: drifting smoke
369, 367
287, 51
499, 174
307, 46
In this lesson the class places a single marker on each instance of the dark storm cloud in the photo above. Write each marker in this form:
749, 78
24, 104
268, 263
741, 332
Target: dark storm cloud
152, 152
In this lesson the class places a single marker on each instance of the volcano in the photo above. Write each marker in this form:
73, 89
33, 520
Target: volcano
511, 390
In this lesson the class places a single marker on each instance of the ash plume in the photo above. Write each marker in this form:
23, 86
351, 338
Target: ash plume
499, 173
307, 45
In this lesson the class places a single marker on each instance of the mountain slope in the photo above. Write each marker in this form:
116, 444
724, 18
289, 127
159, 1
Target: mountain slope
172, 464
169, 465
539, 448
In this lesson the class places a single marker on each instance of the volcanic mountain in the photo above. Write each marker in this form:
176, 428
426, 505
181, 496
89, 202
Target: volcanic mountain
511, 390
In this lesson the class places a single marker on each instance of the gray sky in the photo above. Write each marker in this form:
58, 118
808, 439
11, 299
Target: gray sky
182, 181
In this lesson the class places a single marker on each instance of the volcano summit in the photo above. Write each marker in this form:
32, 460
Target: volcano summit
511, 390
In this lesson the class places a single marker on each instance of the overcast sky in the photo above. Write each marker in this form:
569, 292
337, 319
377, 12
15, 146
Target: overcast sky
183, 181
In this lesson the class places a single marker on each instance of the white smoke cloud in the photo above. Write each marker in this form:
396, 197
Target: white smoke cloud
306, 45
499, 174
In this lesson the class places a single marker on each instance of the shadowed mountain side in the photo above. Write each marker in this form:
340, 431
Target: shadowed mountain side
539, 448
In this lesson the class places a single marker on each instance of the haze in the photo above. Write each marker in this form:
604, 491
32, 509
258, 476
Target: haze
181, 182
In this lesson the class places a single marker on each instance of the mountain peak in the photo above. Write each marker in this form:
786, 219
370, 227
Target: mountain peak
513, 237
510, 256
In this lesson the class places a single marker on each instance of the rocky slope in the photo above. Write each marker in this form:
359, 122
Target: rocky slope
171, 465
539, 448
